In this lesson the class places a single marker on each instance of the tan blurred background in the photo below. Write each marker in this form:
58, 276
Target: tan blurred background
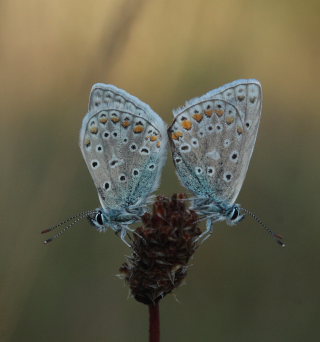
242, 286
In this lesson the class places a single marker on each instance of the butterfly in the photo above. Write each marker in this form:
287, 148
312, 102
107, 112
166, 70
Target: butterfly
212, 138
124, 145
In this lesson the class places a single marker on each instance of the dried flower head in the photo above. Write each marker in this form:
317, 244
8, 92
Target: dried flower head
161, 250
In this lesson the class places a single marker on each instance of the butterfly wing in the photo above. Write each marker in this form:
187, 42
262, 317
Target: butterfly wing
124, 144
212, 139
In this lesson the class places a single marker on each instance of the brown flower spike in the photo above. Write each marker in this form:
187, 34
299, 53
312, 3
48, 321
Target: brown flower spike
161, 250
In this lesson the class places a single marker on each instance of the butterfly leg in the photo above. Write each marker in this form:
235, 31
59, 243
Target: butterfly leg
207, 233
133, 231
123, 233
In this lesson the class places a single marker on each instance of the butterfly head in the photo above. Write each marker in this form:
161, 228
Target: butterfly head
116, 219
99, 219
233, 215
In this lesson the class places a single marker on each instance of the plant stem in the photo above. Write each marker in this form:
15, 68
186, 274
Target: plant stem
154, 323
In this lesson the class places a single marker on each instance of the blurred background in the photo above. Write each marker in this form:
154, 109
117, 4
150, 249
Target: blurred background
242, 285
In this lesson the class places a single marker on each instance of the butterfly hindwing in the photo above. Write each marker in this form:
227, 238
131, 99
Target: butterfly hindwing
123, 142
212, 139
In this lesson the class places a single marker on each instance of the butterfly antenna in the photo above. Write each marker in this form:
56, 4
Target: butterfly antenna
62, 231
277, 237
82, 214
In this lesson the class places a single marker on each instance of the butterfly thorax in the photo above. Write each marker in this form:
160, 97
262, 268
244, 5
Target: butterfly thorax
116, 219
218, 211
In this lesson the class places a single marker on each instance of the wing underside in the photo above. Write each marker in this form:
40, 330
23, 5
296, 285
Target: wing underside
212, 139
124, 146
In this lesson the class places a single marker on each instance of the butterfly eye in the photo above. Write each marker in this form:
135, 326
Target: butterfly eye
235, 214
99, 218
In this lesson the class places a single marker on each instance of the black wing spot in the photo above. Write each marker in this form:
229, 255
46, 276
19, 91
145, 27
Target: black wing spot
133, 147
122, 178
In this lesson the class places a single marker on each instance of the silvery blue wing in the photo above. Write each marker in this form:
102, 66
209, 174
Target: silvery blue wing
212, 139
124, 144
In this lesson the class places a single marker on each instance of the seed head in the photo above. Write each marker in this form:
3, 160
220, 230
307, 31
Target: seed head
161, 249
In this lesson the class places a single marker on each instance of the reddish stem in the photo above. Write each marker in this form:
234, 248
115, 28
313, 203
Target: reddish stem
154, 323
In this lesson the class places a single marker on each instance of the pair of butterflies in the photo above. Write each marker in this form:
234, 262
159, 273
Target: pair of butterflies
124, 144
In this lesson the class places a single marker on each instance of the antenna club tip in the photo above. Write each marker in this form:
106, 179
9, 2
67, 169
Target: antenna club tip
282, 244
46, 231
47, 241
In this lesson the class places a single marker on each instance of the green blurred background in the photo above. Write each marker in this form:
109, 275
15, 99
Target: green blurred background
242, 286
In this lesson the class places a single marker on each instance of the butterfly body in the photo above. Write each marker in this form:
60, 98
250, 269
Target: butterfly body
124, 144
212, 139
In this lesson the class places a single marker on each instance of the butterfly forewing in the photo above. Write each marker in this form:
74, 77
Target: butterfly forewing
123, 142
212, 139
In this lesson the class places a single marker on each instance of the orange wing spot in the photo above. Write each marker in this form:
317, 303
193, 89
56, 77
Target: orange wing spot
208, 112
186, 124
94, 130
115, 119
153, 138
158, 143
126, 124
239, 130
87, 142
229, 120
103, 120
138, 129
176, 135
198, 117
219, 112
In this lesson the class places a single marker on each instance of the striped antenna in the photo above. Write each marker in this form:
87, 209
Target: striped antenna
84, 213
277, 237
77, 218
